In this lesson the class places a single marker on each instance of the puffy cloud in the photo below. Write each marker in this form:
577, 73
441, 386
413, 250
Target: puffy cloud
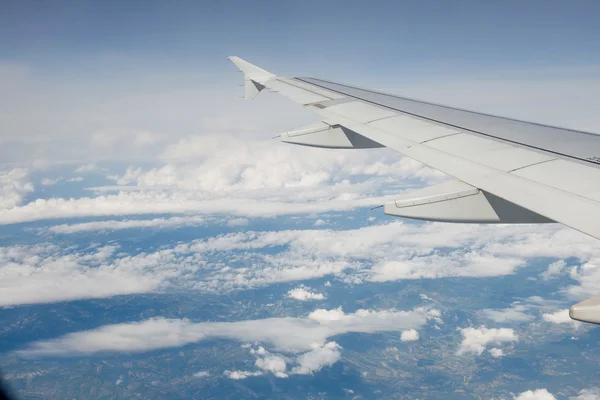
365, 254
496, 353
111, 225
47, 273
289, 334
274, 364
319, 357
261, 178
537, 394
587, 394
14, 185
409, 335
588, 276
353, 255
559, 317
554, 269
476, 339
303, 293
394, 251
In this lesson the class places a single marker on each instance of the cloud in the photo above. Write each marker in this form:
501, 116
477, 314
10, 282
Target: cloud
521, 311
50, 182
554, 269
588, 276
476, 339
260, 178
559, 317
15, 184
112, 225
365, 254
85, 168
272, 363
517, 313
587, 394
201, 374
409, 335
237, 222
238, 375
303, 294
75, 179
287, 334
391, 251
47, 273
496, 353
319, 357
537, 394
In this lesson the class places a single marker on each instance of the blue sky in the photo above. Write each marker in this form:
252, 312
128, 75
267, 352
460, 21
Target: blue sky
67, 38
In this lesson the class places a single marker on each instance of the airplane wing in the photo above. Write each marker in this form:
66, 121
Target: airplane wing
505, 170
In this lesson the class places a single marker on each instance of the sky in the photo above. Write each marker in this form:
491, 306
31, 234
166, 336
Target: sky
117, 116
73, 71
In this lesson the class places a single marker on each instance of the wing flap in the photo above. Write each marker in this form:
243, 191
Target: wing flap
456, 201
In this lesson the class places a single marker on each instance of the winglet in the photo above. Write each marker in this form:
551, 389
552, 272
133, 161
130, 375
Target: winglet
254, 77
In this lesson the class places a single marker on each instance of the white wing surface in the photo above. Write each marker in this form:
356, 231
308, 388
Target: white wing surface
506, 170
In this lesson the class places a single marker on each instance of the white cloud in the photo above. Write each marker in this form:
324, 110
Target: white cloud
75, 179
475, 340
261, 178
426, 250
238, 375
50, 182
587, 394
409, 335
554, 269
588, 276
286, 334
46, 273
272, 363
537, 394
131, 175
520, 311
303, 293
320, 222
14, 185
393, 251
516, 313
112, 225
237, 222
496, 353
319, 357
85, 168
201, 374
559, 317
